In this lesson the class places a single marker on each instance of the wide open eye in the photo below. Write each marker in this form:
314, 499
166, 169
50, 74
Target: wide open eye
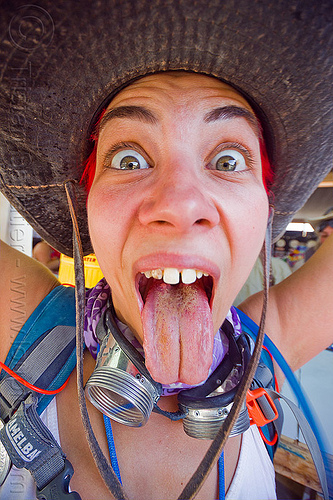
128, 159
228, 160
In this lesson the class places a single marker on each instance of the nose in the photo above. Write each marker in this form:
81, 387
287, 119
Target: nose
179, 200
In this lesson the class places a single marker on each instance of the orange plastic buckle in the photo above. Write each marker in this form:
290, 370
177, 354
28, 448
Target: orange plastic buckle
256, 413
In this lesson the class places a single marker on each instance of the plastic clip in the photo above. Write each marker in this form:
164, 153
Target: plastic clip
57, 488
261, 407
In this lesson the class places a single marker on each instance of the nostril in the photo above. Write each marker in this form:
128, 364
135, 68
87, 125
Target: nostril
203, 222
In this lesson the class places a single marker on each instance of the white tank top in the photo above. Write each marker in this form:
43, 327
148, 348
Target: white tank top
254, 478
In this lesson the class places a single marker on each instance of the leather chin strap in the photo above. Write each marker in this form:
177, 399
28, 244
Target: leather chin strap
213, 453
102, 463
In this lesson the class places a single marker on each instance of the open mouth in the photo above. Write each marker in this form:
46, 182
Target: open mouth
178, 331
173, 276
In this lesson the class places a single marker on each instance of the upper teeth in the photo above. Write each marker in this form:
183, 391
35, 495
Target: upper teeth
172, 276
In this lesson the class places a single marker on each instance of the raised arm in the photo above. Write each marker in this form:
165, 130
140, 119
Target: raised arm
300, 310
24, 283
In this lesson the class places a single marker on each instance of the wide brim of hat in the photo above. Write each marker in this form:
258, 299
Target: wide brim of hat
315, 222
61, 60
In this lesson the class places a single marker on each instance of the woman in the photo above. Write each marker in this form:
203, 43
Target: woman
177, 181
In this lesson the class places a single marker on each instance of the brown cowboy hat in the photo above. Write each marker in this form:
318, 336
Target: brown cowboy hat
61, 60
319, 223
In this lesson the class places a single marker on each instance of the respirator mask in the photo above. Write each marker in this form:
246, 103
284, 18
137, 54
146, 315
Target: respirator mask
122, 388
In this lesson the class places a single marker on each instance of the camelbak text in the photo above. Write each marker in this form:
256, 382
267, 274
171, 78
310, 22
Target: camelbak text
20, 442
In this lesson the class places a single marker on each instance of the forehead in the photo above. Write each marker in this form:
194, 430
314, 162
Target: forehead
179, 90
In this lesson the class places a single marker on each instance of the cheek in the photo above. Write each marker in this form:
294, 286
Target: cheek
254, 219
247, 233
244, 228
105, 226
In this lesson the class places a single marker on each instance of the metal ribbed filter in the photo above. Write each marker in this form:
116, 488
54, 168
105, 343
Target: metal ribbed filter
205, 423
120, 396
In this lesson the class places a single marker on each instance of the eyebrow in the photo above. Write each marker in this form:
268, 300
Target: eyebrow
229, 112
145, 115
136, 112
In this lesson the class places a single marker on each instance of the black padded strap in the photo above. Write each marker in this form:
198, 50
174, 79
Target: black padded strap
31, 445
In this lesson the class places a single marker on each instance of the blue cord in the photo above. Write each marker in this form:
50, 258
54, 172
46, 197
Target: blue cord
221, 477
112, 448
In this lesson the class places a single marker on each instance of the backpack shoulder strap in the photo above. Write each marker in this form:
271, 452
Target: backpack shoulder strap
43, 354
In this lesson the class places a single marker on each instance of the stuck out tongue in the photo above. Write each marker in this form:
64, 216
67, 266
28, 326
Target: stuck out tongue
178, 333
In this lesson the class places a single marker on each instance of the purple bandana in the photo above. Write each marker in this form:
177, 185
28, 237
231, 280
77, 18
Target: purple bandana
97, 302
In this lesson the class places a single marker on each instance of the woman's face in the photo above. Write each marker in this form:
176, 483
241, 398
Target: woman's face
178, 194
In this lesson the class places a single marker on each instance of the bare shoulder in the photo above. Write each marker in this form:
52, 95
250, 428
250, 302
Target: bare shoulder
24, 283
300, 309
